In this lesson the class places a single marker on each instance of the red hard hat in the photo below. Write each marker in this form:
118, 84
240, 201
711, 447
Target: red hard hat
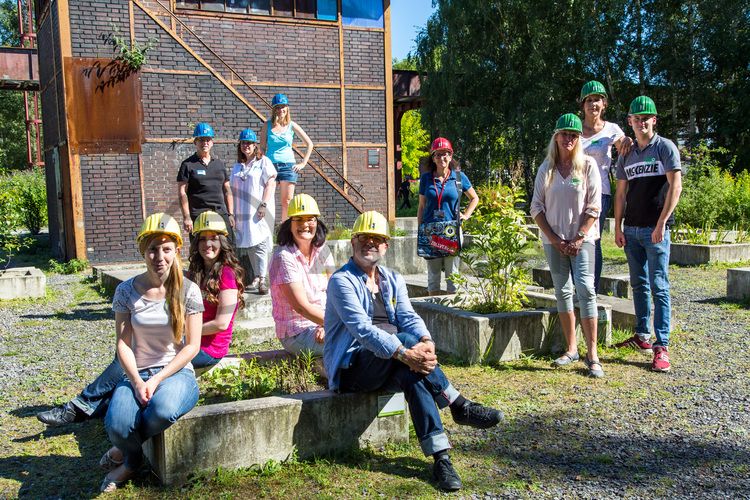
441, 143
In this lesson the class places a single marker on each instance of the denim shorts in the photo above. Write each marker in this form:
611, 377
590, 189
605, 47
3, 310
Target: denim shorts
284, 172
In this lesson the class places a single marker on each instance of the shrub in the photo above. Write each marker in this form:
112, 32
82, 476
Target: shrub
711, 196
32, 199
495, 282
73, 266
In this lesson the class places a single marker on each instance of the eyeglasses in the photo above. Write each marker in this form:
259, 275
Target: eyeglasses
203, 139
305, 219
367, 238
443, 153
246, 144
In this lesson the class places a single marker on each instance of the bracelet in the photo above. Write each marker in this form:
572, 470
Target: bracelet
230, 215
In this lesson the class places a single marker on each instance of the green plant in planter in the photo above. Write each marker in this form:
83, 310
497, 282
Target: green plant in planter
494, 281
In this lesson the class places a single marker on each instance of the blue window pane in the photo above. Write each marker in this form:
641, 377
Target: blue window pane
260, 6
327, 10
237, 5
364, 13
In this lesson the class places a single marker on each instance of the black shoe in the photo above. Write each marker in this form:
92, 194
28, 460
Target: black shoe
445, 475
61, 415
476, 415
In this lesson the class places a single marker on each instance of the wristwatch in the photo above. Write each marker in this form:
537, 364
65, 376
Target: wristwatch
401, 354
581, 234
263, 205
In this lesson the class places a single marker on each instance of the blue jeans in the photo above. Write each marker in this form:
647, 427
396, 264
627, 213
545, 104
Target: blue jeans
581, 266
304, 341
649, 275
285, 172
94, 399
423, 392
129, 424
598, 260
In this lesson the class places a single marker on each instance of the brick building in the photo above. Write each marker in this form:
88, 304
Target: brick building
114, 138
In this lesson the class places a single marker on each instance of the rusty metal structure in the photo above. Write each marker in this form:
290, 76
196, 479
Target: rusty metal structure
19, 71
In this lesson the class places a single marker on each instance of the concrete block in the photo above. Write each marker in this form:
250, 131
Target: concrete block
685, 254
738, 283
608, 226
617, 286
408, 224
252, 432
22, 283
476, 338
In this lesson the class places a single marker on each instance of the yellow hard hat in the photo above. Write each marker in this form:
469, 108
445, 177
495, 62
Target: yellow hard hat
371, 222
210, 221
160, 223
303, 204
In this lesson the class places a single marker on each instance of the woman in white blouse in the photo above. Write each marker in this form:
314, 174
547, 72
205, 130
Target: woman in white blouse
566, 206
253, 182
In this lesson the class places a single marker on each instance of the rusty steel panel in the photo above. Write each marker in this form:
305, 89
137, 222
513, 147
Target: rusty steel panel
104, 107
19, 68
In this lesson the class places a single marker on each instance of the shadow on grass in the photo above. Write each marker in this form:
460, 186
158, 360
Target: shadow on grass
83, 314
725, 301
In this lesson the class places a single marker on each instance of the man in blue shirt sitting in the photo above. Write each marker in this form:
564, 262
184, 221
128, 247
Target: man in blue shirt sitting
375, 340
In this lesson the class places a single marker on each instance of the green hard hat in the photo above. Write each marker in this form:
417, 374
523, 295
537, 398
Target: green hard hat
642, 105
569, 121
592, 88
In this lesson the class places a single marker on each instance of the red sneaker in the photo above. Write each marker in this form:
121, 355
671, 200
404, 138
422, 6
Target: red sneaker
661, 360
636, 343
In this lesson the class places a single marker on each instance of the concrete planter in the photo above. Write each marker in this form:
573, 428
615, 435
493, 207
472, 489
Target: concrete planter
246, 433
22, 283
401, 255
617, 286
685, 254
738, 283
476, 338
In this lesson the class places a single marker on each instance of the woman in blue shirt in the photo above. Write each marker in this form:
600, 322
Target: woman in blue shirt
439, 200
276, 140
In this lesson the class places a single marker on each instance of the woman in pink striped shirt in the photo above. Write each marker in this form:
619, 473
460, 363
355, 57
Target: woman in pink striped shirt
300, 268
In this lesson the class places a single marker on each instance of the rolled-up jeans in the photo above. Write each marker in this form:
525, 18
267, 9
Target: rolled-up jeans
129, 423
649, 276
304, 341
582, 267
94, 398
368, 373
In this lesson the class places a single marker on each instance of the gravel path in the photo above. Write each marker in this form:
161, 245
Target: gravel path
634, 434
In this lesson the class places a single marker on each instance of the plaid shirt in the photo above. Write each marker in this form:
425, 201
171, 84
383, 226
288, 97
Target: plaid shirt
288, 265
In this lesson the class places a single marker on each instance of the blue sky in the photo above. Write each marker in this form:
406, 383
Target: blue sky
407, 18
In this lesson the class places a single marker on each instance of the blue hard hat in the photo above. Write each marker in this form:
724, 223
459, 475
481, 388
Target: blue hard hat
279, 100
248, 135
203, 130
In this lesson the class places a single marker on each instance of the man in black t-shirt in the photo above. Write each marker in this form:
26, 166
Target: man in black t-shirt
203, 182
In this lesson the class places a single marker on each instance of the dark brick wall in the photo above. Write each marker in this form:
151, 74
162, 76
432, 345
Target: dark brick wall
112, 208
365, 116
364, 60
173, 103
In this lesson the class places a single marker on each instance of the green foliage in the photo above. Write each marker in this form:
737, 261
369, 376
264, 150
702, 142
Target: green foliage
252, 380
495, 282
712, 198
414, 143
132, 55
23, 201
73, 266
340, 231
13, 131
407, 63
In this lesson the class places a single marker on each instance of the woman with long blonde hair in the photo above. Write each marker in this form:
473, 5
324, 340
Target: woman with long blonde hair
158, 325
277, 139
566, 206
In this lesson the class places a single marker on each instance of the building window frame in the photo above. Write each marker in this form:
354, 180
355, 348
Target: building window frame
313, 10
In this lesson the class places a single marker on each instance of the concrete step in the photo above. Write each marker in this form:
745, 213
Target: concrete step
408, 224
617, 285
254, 331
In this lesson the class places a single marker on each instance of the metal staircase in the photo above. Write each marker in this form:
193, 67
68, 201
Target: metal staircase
228, 77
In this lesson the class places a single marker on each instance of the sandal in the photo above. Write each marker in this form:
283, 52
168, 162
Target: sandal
108, 463
594, 372
566, 359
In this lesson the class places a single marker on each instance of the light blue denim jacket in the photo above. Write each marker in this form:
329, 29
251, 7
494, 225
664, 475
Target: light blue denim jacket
348, 317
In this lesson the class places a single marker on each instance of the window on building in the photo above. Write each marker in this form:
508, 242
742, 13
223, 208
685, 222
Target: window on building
364, 13
325, 10
373, 158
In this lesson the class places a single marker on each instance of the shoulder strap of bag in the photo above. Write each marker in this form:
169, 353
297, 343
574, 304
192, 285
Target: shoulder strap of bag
459, 188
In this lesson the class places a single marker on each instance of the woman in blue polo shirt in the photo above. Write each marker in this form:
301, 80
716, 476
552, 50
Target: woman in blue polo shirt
439, 200
276, 139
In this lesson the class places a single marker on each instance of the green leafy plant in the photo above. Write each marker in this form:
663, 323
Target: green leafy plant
131, 55
73, 266
31, 191
340, 231
494, 282
251, 379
